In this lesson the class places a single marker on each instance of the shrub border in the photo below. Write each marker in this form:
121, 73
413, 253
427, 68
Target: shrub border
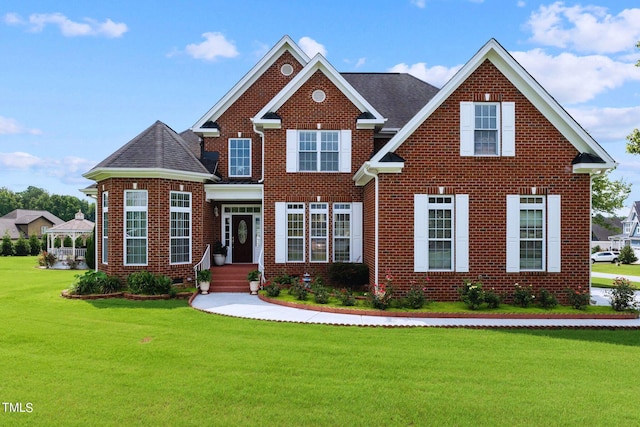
129, 296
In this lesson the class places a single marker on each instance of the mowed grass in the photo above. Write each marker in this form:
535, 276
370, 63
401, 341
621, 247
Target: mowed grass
118, 362
611, 268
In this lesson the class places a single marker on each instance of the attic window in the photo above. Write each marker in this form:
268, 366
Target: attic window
286, 69
319, 95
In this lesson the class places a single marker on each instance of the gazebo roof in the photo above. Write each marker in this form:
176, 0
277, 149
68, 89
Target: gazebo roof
76, 225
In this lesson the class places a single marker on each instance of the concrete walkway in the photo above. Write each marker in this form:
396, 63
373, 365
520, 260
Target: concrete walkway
251, 307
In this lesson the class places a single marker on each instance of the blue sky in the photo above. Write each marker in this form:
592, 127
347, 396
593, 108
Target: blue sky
80, 79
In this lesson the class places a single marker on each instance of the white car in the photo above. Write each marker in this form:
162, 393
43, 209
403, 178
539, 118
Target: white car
604, 257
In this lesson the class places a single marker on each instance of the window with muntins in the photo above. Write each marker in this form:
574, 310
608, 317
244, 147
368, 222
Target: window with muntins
342, 232
532, 233
487, 129
318, 151
486, 133
319, 232
295, 232
180, 228
440, 233
105, 227
239, 157
135, 241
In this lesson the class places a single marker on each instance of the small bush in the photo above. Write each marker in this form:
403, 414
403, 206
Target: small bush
46, 259
546, 299
472, 294
88, 283
110, 285
272, 289
22, 247
492, 299
627, 255
415, 297
523, 296
6, 249
299, 290
348, 275
595, 249
284, 280
140, 282
321, 295
346, 298
622, 296
162, 284
34, 244
579, 298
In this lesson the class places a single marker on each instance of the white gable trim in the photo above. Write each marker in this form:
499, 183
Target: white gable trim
318, 62
521, 79
285, 44
99, 174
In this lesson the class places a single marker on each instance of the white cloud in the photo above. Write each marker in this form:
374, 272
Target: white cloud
585, 28
607, 124
361, 62
68, 169
312, 47
89, 27
557, 74
437, 75
10, 126
521, 3
19, 160
215, 46
420, 3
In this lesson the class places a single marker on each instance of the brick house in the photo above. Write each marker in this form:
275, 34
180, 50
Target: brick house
299, 166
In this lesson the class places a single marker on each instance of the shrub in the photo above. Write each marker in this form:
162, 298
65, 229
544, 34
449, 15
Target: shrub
595, 249
622, 296
546, 299
579, 298
523, 296
472, 294
381, 294
34, 244
140, 282
415, 297
627, 255
162, 284
284, 280
492, 299
203, 275
346, 297
72, 263
321, 295
348, 275
22, 247
46, 259
68, 242
272, 289
90, 257
88, 283
110, 285
299, 290
6, 249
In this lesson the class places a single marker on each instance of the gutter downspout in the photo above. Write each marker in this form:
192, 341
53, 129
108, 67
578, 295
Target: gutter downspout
376, 233
261, 181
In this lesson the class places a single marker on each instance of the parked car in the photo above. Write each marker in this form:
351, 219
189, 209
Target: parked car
604, 257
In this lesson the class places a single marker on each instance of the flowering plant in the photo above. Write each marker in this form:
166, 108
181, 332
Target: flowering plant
523, 295
272, 289
579, 298
381, 293
622, 296
472, 294
416, 297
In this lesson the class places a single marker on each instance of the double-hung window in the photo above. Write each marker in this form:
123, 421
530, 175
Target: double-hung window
533, 233
180, 228
239, 157
295, 232
441, 232
135, 241
319, 232
105, 227
487, 129
318, 151
342, 232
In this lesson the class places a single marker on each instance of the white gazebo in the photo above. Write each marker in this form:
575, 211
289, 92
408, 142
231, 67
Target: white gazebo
77, 227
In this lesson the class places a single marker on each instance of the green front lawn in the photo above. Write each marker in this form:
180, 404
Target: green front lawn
120, 362
611, 268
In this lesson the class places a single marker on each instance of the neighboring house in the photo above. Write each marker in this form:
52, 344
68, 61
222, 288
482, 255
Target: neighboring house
630, 235
301, 166
600, 235
25, 223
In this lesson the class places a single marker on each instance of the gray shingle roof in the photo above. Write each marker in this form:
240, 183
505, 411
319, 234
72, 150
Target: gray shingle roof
10, 221
157, 147
397, 96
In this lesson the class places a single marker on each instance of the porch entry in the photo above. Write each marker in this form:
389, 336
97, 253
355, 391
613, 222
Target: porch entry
241, 229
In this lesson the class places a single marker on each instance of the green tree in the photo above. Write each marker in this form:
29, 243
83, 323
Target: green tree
627, 255
9, 201
607, 196
90, 257
633, 139
34, 198
34, 243
68, 242
6, 249
22, 247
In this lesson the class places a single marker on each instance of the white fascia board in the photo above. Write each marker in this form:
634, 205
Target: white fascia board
207, 132
233, 192
361, 178
318, 62
89, 191
367, 123
100, 174
268, 123
522, 80
239, 88
592, 167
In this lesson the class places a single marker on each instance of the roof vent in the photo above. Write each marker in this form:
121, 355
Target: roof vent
286, 69
319, 95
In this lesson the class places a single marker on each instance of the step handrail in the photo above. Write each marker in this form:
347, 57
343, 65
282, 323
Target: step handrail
205, 262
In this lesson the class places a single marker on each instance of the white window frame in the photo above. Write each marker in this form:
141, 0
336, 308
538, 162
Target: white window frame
318, 151
293, 151
459, 206
551, 214
319, 231
105, 227
186, 197
532, 204
231, 158
445, 204
346, 232
505, 127
295, 209
133, 209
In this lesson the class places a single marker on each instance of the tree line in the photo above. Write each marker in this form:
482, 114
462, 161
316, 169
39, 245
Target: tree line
34, 198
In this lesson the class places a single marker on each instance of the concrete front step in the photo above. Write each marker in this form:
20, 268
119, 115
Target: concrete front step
231, 277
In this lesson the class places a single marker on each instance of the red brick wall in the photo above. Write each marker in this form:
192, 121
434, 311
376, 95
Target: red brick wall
301, 112
432, 153
158, 225
237, 117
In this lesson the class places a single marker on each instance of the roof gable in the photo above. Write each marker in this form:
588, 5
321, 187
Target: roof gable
154, 152
318, 63
285, 44
525, 83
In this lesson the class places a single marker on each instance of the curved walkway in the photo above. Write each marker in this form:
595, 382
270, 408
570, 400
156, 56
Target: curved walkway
251, 307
